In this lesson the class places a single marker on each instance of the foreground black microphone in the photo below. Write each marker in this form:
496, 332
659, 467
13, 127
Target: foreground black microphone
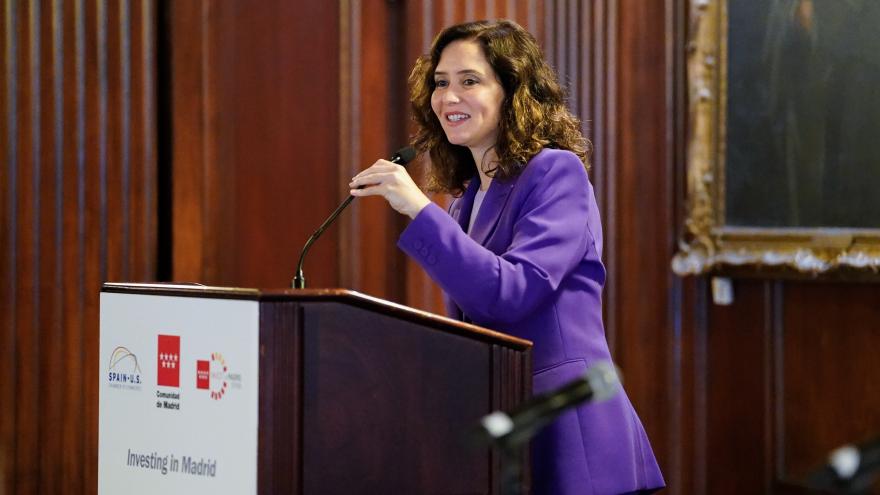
598, 383
400, 157
851, 469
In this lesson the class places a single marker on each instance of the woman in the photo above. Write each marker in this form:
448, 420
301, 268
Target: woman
520, 250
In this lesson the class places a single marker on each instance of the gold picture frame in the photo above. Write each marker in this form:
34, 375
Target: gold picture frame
709, 243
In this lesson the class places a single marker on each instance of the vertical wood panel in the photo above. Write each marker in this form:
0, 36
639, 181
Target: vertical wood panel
219, 200
27, 258
70, 214
95, 218
72, 438
50, 248
421, 292
186, 134
114, 166
379, 78
734, 406
640, 209
349, 133
141, 141
480, 9
8, 227
6, 260
773, 387
600, 110
827, 402
379, 129
684, 449
198, 32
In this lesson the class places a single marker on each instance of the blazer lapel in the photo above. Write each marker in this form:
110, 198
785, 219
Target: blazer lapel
490, 210
461, 209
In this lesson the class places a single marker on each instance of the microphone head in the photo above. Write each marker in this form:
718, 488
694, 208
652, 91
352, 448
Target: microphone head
603, 379
403, 155
845, 461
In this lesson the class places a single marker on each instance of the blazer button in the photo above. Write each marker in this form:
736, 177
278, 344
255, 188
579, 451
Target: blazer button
418, 244
432, 260
423, 251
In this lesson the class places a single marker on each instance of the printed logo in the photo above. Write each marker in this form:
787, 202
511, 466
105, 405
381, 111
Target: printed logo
203, 374
124, 372
214, 375
168, 361
218, 376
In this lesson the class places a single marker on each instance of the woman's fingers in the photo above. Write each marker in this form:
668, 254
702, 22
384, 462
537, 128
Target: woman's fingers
392, 182
378, 167
383, 175
371, 190
372, 179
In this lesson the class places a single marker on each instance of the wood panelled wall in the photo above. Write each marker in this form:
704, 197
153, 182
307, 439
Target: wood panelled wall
204, 140
78, 207
253, 136
641, 293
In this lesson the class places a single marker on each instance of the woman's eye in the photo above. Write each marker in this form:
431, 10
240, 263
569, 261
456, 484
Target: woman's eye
469, 82
441, 84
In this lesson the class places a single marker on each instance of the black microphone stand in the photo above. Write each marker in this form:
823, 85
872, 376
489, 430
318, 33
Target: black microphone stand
299, 280
511, 469
400, 157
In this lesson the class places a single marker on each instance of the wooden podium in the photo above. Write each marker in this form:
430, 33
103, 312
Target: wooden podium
356, 394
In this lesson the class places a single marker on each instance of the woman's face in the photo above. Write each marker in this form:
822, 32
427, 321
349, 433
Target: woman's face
467, 96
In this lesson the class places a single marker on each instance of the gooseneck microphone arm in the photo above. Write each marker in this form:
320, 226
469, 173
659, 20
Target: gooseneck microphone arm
299, 280
400, 157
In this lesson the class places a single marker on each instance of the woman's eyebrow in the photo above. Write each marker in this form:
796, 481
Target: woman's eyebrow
463, 71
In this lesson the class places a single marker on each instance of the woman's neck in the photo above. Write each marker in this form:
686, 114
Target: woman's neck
484, 160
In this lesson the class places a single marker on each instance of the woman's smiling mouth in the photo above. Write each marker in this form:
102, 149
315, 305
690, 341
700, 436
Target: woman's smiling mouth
456, 117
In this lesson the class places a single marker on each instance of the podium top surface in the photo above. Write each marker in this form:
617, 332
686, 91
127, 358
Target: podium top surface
344, 296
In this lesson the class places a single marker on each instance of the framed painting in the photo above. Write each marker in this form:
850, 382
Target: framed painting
783, 171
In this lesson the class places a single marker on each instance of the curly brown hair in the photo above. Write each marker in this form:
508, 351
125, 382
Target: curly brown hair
533, 113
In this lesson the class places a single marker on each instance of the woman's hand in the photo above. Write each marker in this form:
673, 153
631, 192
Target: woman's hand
392, 182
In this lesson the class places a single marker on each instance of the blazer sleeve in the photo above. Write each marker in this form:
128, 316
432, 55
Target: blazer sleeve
550, 237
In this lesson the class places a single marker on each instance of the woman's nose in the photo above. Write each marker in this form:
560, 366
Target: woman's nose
450, 96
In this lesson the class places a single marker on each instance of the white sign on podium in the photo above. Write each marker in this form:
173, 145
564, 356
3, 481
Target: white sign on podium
178, 399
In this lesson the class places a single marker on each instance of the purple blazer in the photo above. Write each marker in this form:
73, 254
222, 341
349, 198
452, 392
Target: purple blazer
532, 268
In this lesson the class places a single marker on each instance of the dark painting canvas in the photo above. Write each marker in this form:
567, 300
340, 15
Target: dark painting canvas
803, 114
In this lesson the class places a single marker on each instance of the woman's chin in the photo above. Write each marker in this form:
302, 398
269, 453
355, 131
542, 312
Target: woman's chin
456, 140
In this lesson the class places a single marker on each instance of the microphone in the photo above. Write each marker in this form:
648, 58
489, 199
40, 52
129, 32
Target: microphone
851, 469
600, 382
401, 157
